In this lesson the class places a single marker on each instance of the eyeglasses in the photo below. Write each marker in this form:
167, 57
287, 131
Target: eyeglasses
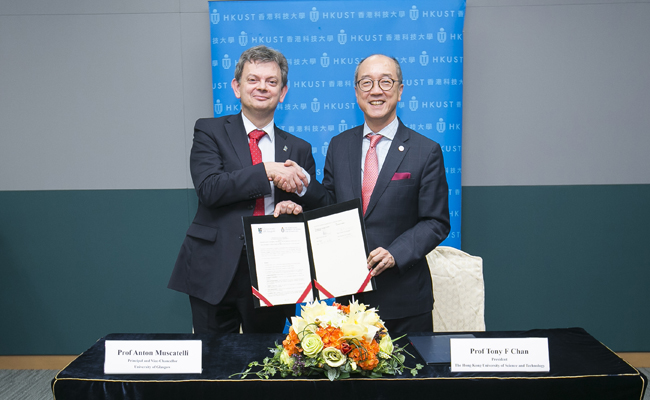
366, 84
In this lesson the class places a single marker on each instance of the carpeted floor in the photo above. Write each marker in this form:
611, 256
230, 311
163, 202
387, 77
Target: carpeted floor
32, 384
26, 384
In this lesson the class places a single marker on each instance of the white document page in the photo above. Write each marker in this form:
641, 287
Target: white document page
281, 261
339, 252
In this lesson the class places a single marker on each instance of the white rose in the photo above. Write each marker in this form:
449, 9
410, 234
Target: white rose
333, 357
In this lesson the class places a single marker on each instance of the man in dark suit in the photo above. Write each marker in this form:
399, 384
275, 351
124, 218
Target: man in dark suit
234, 162
400, 177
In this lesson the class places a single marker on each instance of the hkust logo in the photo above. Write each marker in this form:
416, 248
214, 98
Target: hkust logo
442, 35
440, 126
413, 104
214, 17
243, 39
226, 62
313, 15
343, 126
325, 60
414, 13
343, 37
424, 59
315, 105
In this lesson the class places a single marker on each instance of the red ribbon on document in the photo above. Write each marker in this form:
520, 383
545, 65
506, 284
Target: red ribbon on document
330, 295
259, 295
322, 289
304, 294
365, 283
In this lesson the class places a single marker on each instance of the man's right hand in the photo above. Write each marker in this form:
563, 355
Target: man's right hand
287, 176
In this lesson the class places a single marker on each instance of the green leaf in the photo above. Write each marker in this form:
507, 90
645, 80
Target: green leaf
332, 374
396, 339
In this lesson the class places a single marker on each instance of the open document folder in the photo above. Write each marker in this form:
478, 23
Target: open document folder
315, 255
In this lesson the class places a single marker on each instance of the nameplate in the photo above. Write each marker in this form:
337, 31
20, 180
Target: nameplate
153, 357
499, 355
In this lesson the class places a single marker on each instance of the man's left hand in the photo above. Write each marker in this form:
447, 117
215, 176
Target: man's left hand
287, 207
379, 260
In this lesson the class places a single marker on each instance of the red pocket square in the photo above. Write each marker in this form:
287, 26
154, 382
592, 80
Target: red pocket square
401, 175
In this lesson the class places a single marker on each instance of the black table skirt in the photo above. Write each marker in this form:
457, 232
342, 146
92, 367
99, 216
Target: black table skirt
581, 368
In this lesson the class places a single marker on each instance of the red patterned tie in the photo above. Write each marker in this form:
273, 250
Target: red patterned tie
256, 156
370, 171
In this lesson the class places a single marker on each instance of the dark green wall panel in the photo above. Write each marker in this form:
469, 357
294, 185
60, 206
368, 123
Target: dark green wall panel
77, 265
561, 256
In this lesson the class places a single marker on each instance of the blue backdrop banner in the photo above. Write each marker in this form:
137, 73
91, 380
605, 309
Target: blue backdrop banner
323, 42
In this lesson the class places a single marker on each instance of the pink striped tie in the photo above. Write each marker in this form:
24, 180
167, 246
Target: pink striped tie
256, 156
370, 171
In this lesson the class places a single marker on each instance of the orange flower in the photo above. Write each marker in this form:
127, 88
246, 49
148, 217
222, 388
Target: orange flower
345, 348
345, 309
369, 364
330, 336
365, 354
290, 343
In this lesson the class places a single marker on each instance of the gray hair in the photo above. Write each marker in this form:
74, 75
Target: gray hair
263, 54
397, 67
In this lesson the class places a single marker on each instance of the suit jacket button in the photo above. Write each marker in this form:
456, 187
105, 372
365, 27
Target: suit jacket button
251, 207
241, 237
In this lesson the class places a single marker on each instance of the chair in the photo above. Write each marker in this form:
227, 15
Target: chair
458, 290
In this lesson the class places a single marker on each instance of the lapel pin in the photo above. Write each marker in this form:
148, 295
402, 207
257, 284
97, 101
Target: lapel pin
285, 148
401, 148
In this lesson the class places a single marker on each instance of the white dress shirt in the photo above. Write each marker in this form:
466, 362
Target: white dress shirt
383, 145
267, 148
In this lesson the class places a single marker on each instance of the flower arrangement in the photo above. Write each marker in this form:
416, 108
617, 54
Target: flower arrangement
335, 340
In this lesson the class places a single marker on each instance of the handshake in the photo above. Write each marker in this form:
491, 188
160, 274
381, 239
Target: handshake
287, 176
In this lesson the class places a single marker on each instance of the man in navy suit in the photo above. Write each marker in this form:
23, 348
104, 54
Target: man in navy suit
405, 201
235, 161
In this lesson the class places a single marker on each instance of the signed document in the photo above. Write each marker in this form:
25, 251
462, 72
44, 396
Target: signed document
281, 261
339, 253
316, 255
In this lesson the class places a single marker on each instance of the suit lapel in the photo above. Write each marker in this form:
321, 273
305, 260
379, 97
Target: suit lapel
354, 158
282, 152
282, 147
237, 134
391, 163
